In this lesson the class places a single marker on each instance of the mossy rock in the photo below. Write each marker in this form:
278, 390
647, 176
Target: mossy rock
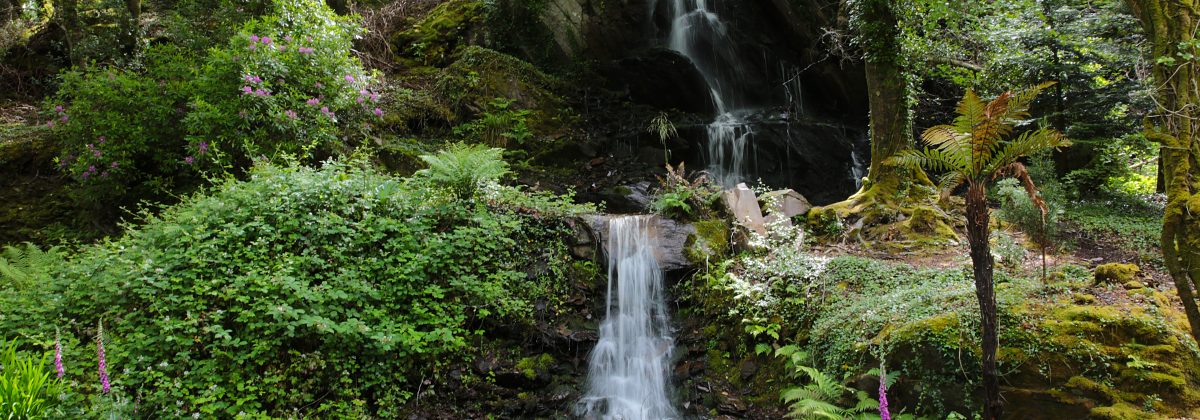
1116, 273
439, 34
479, 75
709, 243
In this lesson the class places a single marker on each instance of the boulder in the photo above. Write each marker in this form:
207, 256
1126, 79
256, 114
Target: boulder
743, 205
784, 205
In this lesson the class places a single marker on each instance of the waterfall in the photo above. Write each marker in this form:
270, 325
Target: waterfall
700, 35
628, 375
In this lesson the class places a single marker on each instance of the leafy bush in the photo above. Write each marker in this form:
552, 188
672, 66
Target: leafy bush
821, 396
463, 169
303, 292
285, 85
1018, 209
27, 389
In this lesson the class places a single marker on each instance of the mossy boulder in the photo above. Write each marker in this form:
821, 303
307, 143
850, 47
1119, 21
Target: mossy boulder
1116, 273
434, 38
710, 243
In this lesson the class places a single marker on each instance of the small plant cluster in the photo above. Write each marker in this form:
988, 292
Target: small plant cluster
498, 126
685, 196
338, 285
286, 85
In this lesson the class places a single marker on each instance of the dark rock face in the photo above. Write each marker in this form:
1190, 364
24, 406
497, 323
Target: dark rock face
672, 240
661, 78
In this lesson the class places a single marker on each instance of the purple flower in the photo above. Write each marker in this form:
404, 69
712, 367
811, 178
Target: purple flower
202, 148
253, 38
58, 109
102, 367
189, 160
85, 175
91, 169
290, 114
50, 124
313, 101
378, 112
114, 164
349, 78
63, 119
104, 174
101, 138
58, 366
319, 85
883, 404
260, 92
266, 40
97, 153
283, 48
253, 47
246, 90
360, 99
287, 38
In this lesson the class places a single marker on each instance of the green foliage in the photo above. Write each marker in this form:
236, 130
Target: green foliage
662, 127
22, 265
27, 387
822, 397
683, 196
1008, 250
439, 34
1018, 209
977, 146
463, 169
338, 285
285, 85
499, 125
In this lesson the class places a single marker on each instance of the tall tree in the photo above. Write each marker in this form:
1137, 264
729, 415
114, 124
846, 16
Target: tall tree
976, 150
888, 190
1171, 27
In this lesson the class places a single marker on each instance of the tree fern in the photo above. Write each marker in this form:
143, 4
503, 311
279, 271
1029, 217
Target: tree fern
463, 168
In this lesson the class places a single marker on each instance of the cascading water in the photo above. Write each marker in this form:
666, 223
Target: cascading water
628, 371
700, 35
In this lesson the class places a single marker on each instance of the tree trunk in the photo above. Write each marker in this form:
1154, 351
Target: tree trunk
891, 122
1170, 26
981, 260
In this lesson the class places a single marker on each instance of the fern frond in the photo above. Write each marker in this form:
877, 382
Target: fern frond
462, 168
933, 159
1027, 144
950, 181
970, 111
1018, 107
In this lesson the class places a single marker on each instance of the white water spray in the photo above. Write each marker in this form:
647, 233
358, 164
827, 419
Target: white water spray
628, 375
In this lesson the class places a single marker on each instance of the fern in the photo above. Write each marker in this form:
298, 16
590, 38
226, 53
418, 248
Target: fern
821, 396
464, 168
23, 265
977, 146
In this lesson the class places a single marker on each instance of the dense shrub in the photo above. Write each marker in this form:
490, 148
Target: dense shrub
285, 85
304, 292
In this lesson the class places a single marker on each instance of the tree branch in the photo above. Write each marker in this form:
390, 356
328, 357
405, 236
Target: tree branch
954, 62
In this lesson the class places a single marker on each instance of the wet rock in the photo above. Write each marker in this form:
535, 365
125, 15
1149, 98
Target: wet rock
672, 240
632, 198
748, 368
661, 78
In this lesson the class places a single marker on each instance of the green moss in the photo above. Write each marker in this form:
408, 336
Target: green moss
533, 366
438, 35
709, 244
1120, 411
1116, 273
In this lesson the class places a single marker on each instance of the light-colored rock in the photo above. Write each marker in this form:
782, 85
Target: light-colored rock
784, 205
743, 205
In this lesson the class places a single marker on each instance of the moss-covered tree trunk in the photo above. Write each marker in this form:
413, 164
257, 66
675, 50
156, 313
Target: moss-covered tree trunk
1170, 26
978, 221
891, 194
